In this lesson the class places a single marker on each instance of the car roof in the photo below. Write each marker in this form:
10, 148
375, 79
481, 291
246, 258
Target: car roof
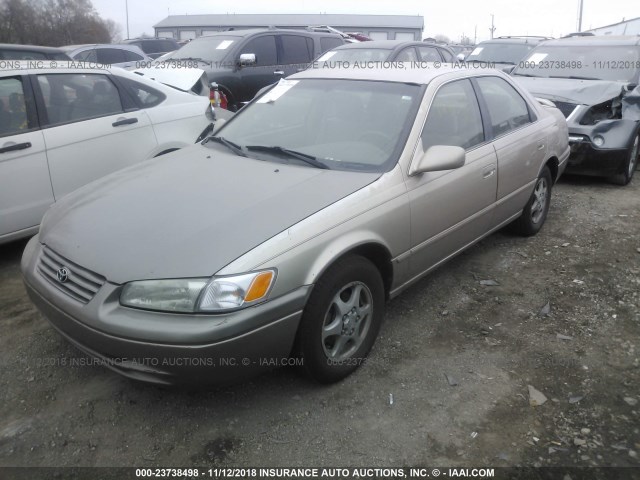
597, 40
384, 44
408, 74
253, 31
29, 48
517, 40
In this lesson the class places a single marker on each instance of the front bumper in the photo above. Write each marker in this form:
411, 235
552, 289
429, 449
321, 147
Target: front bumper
168, 348
610, 158
587, 159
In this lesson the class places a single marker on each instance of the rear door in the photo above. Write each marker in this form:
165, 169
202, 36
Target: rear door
295, 53
25, 188
519, 142
91, 128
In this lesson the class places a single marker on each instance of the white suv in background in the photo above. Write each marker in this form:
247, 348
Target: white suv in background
62, 128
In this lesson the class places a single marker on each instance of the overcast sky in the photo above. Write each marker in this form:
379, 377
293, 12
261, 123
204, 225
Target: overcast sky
537, 17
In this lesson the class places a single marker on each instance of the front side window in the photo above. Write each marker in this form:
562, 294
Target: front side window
446, 55
344, 124
264, 48
13, 108
454, 118
507, 109
407, 55
132, 56
75, 97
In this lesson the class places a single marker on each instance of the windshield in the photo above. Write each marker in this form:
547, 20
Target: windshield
211, 48
356, 55
616, 63
499, 52
334, 124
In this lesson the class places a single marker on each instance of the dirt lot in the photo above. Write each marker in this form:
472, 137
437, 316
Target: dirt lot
580, 278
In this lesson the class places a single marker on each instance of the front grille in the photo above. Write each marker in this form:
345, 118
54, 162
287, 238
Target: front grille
79, 283
566, 108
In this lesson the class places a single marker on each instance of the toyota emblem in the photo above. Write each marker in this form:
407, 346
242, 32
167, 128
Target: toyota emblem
62, 274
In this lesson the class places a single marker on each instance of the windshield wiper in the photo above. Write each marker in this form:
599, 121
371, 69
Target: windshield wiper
527, 75
310, 159
574, 77
194, 59
234, 147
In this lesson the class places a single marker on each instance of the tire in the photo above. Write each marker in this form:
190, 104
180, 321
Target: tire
341, 320
535, 212
630, 165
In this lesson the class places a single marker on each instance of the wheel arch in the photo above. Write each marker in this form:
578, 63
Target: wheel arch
374, 251
554, 166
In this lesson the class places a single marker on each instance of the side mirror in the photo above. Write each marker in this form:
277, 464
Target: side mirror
247, 59
439, 158
460, 57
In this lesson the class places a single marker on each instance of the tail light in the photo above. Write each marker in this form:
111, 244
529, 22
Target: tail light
217, 98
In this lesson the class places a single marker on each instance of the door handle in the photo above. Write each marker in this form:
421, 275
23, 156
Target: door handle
279, 72
488, 171
124, 121
16, 147
541, 146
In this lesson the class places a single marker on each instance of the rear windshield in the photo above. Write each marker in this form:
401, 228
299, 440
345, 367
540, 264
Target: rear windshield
593, 62
500, 52
211, 48
157, 46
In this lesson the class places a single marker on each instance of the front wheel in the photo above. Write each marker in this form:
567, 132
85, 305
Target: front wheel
341, 320
535, 212
630, 166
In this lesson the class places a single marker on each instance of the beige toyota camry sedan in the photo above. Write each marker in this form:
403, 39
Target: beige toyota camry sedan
284, 233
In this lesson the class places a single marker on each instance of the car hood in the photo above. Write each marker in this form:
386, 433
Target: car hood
187, 214
181, 78
582, 92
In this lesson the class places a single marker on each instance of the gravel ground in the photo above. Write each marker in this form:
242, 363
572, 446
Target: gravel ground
456, 356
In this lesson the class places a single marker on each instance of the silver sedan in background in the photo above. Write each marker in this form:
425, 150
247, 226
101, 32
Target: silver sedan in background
286, 232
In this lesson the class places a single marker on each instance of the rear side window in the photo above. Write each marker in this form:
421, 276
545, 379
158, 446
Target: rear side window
13, 108
296, 49
110, 55
86, 56
147, 97
507, 109
446, 55
21, 55
73, 97
429, 54
264, 48
454, 118
132, 56
329, 43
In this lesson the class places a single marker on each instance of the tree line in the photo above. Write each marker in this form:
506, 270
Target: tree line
54, 23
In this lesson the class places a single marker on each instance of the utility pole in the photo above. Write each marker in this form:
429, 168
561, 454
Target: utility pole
580, 16
475, 35
493, 28
126, 6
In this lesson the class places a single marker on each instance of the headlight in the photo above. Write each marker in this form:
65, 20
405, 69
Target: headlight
199, 295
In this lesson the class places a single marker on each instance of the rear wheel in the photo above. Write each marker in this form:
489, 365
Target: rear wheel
535, 212
630, 166
341, 320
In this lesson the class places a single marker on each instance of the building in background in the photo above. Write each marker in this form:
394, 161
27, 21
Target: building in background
378, 27
626, 27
